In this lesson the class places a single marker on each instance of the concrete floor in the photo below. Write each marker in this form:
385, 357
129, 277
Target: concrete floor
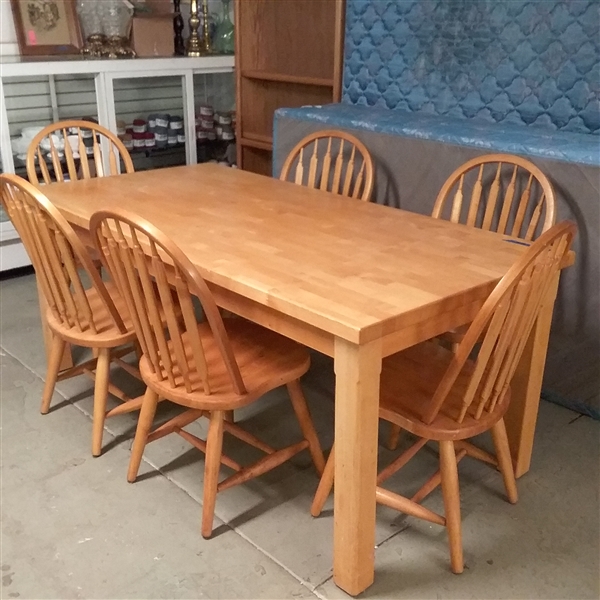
72, 527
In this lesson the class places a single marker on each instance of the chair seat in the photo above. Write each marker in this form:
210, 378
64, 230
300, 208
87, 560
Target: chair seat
266, 360
107, 334
408, 382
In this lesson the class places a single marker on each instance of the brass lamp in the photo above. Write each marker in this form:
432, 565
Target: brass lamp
195, 46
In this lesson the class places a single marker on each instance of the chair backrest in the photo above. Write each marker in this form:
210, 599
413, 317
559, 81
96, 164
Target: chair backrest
58, 256
505, 193
500, 330
75, 145
338, 162
144, 262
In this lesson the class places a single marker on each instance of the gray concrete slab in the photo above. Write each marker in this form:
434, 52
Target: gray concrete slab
73, 528
545, 546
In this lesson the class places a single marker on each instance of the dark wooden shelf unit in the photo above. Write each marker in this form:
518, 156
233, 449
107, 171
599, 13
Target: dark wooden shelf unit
288, 54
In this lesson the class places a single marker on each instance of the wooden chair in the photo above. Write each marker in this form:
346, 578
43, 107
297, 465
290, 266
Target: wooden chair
207, 367
519, 203
92, 315
519, 194
82, 166
449, 397
352, 164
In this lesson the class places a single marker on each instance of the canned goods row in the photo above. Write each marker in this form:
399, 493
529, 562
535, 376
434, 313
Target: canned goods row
133, 140
155, 122
207, 118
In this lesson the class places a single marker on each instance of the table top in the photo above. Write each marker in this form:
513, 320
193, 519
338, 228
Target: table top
348, 267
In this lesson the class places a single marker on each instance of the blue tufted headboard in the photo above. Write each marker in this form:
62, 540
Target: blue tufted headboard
511, 61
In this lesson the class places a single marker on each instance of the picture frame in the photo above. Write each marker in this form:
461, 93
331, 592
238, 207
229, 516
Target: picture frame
46, 27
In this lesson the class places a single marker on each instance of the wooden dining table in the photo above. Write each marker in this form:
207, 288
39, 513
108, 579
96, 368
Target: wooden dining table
354, 280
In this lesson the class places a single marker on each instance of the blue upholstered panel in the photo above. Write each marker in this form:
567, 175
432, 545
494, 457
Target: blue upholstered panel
514, 139
507, 61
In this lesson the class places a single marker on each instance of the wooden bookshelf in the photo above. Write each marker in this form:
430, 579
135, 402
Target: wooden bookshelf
288, 54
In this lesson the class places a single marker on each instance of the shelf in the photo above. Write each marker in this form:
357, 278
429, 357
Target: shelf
19, 66
148, 152
262, 142
301, 79
256, 160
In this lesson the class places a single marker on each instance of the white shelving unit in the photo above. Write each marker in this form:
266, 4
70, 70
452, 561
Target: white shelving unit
104, 72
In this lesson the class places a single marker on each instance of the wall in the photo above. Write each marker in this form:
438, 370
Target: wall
8, 38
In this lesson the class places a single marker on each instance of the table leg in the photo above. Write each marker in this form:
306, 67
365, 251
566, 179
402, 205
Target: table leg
357, 370
67, 360
527, 386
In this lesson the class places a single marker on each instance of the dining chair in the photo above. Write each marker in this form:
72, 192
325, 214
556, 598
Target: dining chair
496, 192
449, 397
210, 366
75, 144
519, 202
352, 165
82, 308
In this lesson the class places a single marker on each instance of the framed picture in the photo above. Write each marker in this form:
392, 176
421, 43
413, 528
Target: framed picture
46, 27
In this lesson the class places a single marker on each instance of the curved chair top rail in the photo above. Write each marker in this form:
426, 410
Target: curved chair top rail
513, 206
81, 144
143, 261
347, 178
57, 255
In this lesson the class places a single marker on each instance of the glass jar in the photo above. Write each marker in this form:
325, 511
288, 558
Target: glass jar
116, 19
91, 26
223, 42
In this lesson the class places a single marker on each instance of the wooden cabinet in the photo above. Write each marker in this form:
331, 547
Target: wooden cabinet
288, 53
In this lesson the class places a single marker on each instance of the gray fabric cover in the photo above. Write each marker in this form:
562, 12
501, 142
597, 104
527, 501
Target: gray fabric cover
409, 174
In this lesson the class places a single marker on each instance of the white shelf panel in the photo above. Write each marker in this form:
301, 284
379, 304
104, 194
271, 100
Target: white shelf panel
18, 66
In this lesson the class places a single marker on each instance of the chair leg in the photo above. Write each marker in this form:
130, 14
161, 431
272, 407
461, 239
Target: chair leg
325, 485
306, 424
56, 353
504, 460
214, 447
451, 494
394, 436
141, 433
100, 396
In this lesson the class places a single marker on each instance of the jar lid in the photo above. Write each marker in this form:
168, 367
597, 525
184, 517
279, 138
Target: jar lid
139, 122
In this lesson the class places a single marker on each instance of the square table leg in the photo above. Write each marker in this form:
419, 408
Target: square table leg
357, 371
526, 387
